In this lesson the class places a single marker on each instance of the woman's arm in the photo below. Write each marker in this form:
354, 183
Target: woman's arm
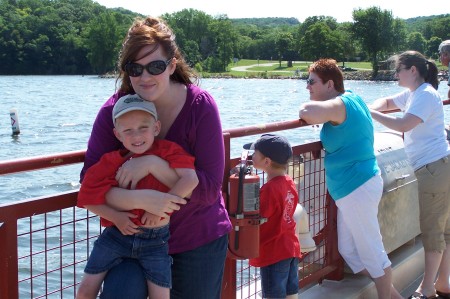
383, 104
401, 124
186, 184
205, 142
319, 112
152, 201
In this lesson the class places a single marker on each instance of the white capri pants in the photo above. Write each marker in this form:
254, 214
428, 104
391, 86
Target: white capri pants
359, 238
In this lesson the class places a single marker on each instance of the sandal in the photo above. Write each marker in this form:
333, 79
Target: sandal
418, 295
442, 295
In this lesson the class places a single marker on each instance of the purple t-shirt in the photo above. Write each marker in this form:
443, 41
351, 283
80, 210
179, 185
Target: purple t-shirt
197, 129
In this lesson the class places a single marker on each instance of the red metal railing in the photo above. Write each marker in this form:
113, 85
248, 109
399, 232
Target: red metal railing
48, 239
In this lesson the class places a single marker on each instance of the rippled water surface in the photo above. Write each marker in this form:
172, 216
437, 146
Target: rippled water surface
56, 114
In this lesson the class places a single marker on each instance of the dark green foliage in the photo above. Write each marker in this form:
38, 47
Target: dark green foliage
266, 22
83, 37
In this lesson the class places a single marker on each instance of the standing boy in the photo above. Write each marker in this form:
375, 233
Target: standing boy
279, 248
134, 234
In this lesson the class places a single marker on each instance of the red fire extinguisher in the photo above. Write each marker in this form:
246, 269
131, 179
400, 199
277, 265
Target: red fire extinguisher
243, 209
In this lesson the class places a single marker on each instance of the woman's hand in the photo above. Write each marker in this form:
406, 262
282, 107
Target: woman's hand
163, 205
152, 201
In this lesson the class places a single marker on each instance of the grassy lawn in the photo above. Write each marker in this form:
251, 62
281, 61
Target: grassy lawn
273, 68
259, 66
268, 68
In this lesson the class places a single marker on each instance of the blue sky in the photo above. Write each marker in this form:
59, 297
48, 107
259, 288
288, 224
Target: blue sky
300, 9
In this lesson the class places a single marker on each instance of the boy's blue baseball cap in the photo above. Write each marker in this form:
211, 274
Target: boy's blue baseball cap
275, 147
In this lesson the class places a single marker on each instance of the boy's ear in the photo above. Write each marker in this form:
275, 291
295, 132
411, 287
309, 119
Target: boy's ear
157, 128
117, 135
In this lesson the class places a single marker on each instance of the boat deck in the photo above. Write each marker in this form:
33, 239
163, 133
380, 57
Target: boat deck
407, 271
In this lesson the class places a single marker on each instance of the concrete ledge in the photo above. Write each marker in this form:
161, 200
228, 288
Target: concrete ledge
407, 267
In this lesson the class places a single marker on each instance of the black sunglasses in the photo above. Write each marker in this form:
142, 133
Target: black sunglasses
310, 81
399, 69
153, 68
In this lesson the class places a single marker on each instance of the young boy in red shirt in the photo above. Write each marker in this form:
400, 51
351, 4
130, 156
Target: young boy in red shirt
137, 233
279, 248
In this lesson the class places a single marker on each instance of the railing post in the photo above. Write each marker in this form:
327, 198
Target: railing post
8, 260
229, 279
332, 255
229, 276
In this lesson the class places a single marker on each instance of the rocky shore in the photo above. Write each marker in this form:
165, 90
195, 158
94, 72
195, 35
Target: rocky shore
348, 75
368, 75
385, 75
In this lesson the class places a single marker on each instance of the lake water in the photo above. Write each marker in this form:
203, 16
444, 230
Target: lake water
56, 115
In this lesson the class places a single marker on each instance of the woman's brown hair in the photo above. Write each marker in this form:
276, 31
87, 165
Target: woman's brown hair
427, 68
154, 32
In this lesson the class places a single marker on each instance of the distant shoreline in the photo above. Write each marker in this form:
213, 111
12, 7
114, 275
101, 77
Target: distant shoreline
348, 75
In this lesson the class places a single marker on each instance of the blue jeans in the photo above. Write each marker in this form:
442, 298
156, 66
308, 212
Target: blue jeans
196, 274
149, 247
280, 279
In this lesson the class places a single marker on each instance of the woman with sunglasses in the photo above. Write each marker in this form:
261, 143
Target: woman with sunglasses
428, 152
351, 171
152, 66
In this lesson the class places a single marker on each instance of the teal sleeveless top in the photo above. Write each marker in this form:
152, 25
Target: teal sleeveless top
349, 154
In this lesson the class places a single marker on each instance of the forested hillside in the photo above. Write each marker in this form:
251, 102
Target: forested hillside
83, 37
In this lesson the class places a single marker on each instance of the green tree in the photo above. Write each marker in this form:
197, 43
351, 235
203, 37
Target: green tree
432, 47
439, 27
11, 40
102, 36
224, 39
284, 43
416, 42
399, 35
309, 21
192, 26
374, 29
320, 41
191, 52
349, 45
318, 33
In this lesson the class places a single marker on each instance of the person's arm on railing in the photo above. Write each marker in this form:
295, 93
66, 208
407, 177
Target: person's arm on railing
383, 104
403, 123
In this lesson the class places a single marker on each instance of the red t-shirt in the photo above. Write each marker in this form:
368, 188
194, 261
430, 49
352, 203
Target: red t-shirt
100, 177
277, 240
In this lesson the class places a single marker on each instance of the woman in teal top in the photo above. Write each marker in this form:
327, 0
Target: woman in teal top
352, 174
349, 158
